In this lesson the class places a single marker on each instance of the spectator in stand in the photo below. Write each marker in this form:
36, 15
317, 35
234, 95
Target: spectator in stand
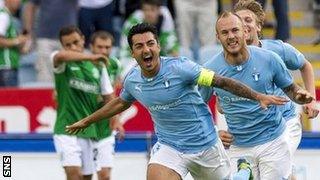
11, 44
95, 15
153, 13
280, 10
131, 6
199, 14
53, 15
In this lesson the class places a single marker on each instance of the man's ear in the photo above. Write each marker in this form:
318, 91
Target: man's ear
217, 36
131, 52
158, 44
246, 32
259, 28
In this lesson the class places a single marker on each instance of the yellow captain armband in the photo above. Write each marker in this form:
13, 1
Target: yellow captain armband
206, 77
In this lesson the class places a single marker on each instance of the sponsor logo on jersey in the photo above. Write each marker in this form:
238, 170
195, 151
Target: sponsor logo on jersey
228, 100
74, 68
165, 106
84, 86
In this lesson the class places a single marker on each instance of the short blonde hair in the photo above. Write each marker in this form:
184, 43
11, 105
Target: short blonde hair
226, 14
252, 6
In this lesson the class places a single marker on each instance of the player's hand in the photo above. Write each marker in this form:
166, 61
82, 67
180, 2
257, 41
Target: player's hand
99, 58
303, 97
266, 100
21, 39
310, 110
226, 138
118, 127
77, 127
121, 132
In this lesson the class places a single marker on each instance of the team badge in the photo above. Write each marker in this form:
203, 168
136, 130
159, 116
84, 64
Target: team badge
256, 76
166, 83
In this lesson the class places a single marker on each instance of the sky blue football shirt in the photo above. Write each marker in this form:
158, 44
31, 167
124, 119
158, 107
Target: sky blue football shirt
181, 118
247, 121
294, 60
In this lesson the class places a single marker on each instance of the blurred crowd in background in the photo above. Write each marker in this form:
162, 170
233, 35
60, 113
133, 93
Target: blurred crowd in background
30, 29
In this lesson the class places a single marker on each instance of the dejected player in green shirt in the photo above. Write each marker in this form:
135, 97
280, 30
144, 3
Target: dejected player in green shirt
81, 80
101, 43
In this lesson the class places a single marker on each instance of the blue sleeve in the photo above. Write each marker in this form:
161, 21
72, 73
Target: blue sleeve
293, 58
188, 70
281, 75
206, 92
125, 94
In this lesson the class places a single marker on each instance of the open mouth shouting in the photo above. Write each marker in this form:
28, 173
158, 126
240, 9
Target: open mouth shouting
148, 60
233, 44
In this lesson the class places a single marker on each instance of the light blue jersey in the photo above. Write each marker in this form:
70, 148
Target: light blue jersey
247, 121
293, 60
182, 119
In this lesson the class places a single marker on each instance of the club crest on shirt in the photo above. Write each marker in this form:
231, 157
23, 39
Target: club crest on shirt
255, 75
166, 83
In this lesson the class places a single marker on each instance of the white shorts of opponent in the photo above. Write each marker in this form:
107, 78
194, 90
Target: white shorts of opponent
76, 151
104, 152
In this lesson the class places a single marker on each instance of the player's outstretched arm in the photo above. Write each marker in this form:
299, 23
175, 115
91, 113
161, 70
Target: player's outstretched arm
239, 89
307, 75
114, 107
297, 94
67, 55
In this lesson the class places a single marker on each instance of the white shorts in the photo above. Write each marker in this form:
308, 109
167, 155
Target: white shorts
269, 161
209, 164
104, 152
294, 133
75, 151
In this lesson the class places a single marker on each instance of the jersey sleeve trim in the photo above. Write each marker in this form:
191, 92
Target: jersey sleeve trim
5, 22
106, 87
60, 68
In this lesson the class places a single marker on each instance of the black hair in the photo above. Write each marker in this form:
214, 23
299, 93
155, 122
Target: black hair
140, 29
152, 2
67, 30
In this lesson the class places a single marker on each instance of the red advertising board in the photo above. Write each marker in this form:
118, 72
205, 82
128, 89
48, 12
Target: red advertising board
20, 109
33, 110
